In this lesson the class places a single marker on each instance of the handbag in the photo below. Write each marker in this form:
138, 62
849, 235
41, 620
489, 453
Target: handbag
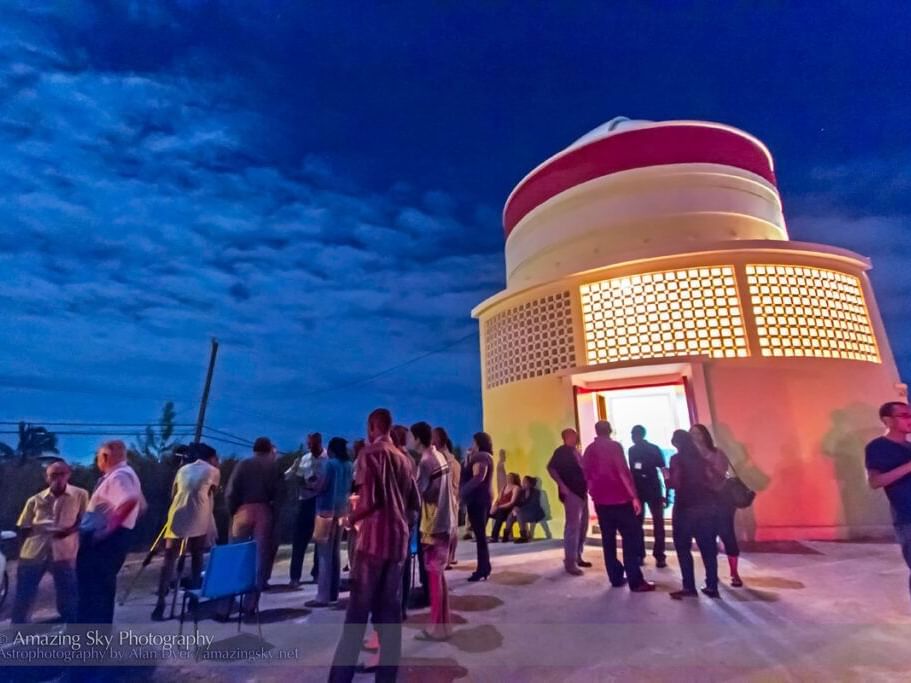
736, 493
322, 529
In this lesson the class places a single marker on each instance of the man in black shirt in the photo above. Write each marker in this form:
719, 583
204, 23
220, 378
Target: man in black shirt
565, 467
646, 463
888, 462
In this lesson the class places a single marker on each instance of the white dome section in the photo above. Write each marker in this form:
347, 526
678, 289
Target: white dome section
618, 124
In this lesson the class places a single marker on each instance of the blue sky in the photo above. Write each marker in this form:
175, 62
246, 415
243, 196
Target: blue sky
319, 184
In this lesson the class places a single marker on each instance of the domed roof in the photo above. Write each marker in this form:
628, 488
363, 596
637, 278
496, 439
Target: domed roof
623, 144
618, 124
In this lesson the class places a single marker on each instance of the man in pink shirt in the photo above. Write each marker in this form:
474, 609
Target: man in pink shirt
611, 487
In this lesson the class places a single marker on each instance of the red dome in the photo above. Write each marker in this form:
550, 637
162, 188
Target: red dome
640, 147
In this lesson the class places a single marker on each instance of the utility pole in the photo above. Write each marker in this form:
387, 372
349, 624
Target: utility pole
201, 418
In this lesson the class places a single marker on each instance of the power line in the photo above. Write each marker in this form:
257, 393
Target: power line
92, 433
242, 439
237, 440
387, 371
42, 423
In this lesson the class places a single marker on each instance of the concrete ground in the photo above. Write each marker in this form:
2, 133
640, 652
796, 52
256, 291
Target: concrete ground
810, 611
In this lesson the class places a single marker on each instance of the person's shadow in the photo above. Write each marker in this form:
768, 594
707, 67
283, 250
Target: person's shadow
852, 428
545, 505
749, 473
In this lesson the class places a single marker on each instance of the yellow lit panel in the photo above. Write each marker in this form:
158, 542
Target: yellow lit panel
690, 312
804, 311
530, 340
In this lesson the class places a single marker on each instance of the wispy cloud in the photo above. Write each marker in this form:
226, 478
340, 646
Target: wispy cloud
139, 217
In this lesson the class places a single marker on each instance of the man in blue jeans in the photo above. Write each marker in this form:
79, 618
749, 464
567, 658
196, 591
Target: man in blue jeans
49, 525
888, 462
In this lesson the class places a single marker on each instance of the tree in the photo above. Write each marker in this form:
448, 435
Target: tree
156, 446
34, 441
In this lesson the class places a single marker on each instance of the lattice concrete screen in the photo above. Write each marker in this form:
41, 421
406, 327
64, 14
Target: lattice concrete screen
804, 311
530, 340
688, 312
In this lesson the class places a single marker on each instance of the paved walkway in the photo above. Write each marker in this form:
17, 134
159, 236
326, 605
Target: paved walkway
817, 611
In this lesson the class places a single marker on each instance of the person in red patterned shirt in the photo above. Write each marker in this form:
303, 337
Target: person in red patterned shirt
610, 484
387, 499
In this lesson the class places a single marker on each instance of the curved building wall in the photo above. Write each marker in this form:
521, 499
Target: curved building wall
664, 208
780, 345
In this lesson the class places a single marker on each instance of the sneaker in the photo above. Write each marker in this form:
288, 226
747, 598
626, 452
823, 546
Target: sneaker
573, 571
643, 587
582, 563
679, 595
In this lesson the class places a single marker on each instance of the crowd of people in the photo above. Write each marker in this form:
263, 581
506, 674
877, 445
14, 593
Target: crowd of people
622, 487
397, 497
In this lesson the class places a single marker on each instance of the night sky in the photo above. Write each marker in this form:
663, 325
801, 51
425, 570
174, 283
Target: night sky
320, 187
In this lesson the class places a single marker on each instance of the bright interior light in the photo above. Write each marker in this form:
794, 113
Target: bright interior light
638, 316
816, 312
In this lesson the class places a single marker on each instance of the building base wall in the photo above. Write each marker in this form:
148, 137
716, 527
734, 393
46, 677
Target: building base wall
794, 429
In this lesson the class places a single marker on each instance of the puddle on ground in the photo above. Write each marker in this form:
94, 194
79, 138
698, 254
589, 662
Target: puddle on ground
773, 582
512, 578
430, 670
484, 638
474, 603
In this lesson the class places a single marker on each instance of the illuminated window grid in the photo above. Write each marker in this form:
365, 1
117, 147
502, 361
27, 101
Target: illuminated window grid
803, 311
532, 339
689, 312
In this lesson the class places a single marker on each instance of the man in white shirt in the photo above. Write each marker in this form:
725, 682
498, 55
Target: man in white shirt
49, 524
105, 533
190, 518
304, 471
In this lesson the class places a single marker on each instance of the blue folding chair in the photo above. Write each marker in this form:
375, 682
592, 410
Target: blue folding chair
230, 573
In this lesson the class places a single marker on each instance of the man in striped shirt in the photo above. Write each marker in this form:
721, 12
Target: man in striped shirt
387, 499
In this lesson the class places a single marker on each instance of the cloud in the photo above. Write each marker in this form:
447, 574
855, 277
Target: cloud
139, 217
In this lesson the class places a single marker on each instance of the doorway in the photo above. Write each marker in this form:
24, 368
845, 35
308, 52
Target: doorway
661, 409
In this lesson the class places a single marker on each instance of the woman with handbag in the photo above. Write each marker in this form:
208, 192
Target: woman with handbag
331, 506
719, 467
695, 515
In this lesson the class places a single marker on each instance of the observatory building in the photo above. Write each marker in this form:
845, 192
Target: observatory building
651, 280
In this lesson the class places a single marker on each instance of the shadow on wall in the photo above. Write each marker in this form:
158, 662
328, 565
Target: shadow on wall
748, 471
532, 461
852, 428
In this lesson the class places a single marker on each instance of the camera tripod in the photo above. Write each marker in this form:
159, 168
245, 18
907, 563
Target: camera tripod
147, 560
